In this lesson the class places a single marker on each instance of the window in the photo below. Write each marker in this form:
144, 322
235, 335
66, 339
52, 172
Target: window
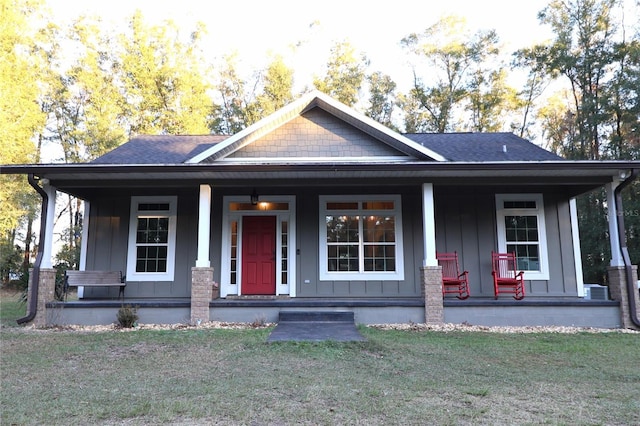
152, 235
521, 230
361, 238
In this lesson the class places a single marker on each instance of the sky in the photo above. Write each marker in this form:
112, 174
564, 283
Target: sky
257, 28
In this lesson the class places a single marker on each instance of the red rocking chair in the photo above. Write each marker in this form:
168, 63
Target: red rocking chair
453, 281
505, 277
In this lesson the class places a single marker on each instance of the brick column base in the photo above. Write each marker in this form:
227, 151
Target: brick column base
431, 277
46, 293
618, 291
201, 294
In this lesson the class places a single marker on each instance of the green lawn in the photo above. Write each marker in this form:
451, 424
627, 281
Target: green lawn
221, 376
11, 308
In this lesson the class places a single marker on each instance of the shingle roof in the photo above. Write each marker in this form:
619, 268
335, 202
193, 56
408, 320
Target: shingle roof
467, 147
159, 149
479, 147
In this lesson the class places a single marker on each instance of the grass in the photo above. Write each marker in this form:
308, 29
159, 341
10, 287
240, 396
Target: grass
11, 308
218, 376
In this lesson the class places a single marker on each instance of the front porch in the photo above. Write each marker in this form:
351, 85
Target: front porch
568, 312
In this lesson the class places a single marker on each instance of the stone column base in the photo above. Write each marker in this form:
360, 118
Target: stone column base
618, 290
201, 294
46, 294
431, 277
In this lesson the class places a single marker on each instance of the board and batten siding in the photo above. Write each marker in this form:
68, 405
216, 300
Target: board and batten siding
308, 281
466, 223
108, 244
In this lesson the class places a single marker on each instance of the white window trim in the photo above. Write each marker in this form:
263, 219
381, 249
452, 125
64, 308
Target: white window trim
501, 212
132, 275
326, 275
228, 216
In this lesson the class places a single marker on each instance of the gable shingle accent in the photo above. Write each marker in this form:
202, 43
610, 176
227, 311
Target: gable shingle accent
316, 133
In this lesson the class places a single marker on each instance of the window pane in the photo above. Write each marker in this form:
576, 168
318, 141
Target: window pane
521, 228
342, 206
140, 266
379, 229
162, 265
519, 205
379, 258
342, 258
342, 228
260, 206
378, 205
151, 258
153, 207
527, 256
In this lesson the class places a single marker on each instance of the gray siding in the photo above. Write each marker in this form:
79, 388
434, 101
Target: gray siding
466, 223
108, 240
106, 246
308, 245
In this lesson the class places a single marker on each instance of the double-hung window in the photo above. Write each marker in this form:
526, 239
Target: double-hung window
521, 230
361, 238
152, 239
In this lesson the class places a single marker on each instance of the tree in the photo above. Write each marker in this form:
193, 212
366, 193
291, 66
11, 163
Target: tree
344, 75
277, 90
490, 100
601, 121
163, 80
537, 81
230, 116
459, 67
243, 103
381, 98
582, 52
20, 114
21, 121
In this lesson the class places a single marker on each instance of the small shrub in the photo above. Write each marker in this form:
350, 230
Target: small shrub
259, 322
127, 316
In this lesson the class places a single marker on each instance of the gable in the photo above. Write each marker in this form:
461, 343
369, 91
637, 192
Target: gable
316, 134
309, 102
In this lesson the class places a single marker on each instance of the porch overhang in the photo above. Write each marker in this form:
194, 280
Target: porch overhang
575, 176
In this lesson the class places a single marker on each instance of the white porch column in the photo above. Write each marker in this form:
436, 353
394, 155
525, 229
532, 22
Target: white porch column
47, 244
614, 240
86, 211
577, 253
204, 227
429, 225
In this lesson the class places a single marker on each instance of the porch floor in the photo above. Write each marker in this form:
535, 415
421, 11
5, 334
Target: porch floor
280, 301
532, 311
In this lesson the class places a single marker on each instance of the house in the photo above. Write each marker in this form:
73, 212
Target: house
318, 207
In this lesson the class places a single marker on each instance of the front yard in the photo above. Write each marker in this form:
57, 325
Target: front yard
231, 376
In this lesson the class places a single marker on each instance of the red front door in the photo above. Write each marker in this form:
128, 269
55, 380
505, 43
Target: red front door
259, 255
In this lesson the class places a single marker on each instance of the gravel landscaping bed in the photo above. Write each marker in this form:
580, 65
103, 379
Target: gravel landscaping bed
418, 327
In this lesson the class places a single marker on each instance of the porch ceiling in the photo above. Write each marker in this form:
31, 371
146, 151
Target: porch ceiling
77, 179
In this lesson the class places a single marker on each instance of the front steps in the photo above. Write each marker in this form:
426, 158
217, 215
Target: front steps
315, 327
317, 316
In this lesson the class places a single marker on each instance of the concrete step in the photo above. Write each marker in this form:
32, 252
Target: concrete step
318, 316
